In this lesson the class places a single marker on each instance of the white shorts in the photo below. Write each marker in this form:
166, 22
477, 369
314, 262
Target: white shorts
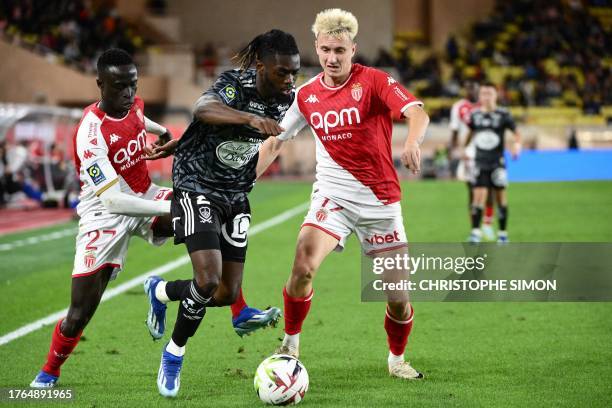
378, 228
103, 241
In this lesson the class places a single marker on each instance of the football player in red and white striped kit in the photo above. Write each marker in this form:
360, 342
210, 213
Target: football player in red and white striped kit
117, 200
350, 108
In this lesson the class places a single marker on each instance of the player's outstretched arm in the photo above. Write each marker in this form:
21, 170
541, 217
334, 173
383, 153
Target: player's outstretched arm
417, 120
156, 128
210, 109
516, 148
117, 202
164, 146
268, 152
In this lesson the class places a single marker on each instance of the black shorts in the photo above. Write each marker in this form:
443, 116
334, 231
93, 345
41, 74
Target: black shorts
203, 223
491, 177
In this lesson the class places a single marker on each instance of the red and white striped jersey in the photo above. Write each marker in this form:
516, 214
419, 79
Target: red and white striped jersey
352, 125
107, 149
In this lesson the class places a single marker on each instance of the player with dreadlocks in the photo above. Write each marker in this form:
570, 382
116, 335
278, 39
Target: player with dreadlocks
214, 170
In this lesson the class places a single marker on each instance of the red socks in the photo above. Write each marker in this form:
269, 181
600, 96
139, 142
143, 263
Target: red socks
296, 310
488, 214
238, 305
398, 332
61, 347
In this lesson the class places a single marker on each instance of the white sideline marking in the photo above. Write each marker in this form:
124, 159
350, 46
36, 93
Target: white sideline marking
37, 239
124, 287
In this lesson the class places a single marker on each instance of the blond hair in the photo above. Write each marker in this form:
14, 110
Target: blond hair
335, 22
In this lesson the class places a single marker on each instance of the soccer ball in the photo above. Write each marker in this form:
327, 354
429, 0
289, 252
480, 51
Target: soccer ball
281, 380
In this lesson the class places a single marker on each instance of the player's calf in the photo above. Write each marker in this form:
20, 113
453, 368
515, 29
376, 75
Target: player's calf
398, 329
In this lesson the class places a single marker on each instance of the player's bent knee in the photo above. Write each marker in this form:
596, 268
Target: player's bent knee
74, 323
207, 283
304, 270
399, 310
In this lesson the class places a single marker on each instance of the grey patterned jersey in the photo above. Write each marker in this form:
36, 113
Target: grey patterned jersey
488, 134
219, 161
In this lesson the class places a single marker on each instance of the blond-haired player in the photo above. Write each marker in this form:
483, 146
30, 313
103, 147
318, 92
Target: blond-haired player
349, 108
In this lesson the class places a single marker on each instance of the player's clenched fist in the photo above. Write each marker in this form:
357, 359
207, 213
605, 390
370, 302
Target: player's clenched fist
266, 126
411, 157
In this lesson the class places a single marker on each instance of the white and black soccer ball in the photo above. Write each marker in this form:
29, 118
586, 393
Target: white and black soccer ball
281, 380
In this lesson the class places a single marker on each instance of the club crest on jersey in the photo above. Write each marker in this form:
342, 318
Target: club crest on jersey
89, 259
357, 91
228, 93
96, 174
205, 215
321, 214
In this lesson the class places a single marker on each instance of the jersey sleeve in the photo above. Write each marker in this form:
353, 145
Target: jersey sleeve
455, 120
96, 168
293, 121
227, 88
392, 93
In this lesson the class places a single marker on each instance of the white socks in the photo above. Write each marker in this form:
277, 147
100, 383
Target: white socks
160, 292
172, 348
393, 359
292, 340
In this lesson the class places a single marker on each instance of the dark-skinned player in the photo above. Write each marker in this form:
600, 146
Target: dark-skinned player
214, 170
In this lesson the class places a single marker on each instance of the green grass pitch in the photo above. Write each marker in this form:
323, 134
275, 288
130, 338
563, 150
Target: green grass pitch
473, 354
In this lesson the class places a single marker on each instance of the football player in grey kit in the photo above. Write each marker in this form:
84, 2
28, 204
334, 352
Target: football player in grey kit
214, 170
488, 125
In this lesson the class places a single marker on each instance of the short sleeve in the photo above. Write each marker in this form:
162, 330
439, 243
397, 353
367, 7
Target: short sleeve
96, 168
392, 93
227, 88
293, 121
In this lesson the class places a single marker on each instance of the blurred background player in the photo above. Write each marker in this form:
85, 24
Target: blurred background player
117, 200
488, 125
214, 170
350, 107
459, 119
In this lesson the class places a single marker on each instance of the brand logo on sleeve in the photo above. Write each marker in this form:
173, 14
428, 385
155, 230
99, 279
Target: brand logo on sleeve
400, 94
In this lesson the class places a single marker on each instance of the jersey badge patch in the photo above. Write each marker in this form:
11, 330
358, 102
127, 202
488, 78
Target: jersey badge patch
96, 174
228, 93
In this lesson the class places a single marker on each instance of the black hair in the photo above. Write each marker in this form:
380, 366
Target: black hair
274, 42
114, 57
